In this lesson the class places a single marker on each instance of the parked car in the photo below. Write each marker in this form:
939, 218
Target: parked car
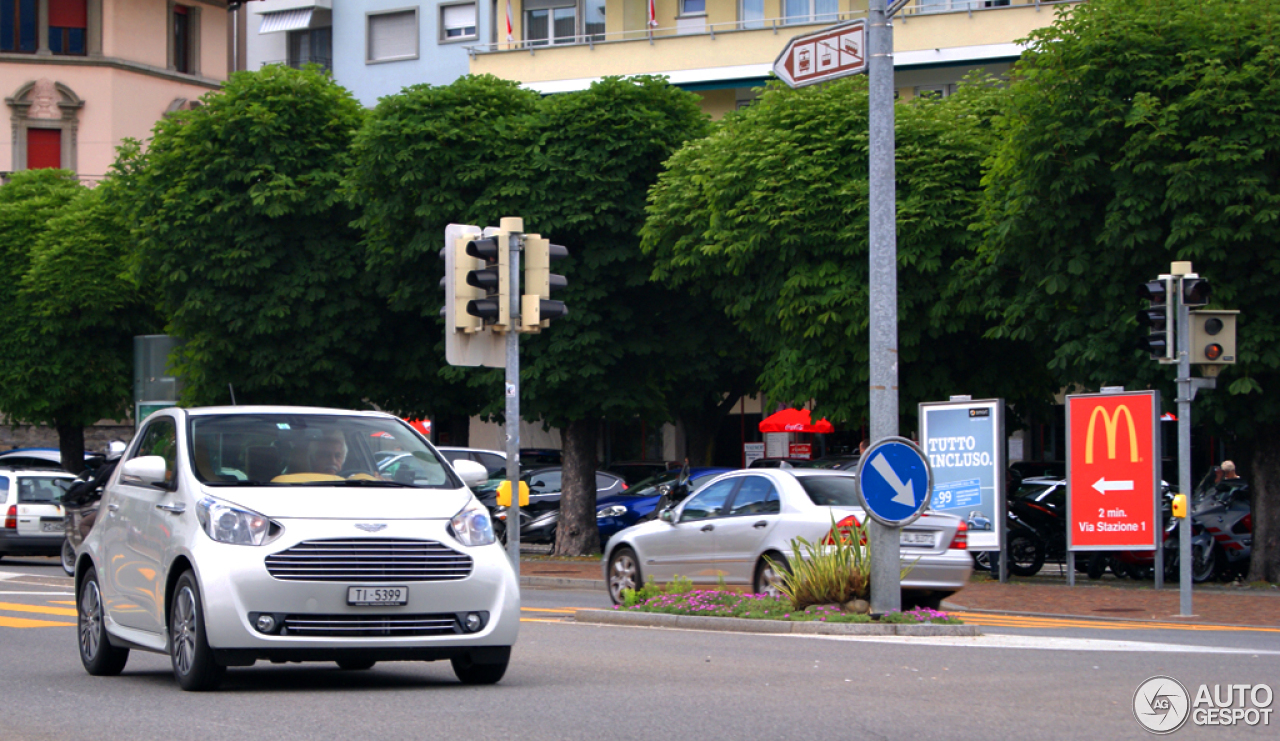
624, 509
633, 472
728, 528
539, 518
230, 535
785, 463
35, 458
494, 461
537, 457
33, 516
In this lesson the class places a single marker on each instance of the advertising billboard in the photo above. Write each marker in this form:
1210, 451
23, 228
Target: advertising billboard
965, 442
1113, 460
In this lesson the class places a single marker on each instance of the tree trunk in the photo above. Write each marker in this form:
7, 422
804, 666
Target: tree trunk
71, 447
577, 533
1264, 481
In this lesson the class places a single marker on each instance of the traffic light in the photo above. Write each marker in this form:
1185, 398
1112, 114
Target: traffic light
1158, 319
492, 277
537, 309
1213, 337
467, 340
1195, 292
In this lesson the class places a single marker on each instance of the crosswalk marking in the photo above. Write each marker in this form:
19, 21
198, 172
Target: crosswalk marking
15, 607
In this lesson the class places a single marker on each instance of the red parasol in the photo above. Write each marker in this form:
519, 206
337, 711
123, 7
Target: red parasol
794, 420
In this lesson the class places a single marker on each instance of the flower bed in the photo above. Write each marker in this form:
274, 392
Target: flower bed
719, 603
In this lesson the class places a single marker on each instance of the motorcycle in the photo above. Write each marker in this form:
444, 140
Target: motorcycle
80, 502
1222, 509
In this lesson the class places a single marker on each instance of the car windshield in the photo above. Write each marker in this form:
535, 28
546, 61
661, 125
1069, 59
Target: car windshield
313, 450
39, 489
831, 491
649, 487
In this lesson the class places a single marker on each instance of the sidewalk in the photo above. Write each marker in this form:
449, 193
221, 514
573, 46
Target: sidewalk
1110, 600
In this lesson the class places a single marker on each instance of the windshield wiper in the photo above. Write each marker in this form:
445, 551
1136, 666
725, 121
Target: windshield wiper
363, 482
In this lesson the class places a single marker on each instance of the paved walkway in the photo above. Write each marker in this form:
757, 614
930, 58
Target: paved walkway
1047, 596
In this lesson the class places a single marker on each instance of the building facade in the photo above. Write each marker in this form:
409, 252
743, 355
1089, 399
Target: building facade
79, 76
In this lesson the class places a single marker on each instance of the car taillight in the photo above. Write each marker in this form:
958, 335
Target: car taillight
1043, 509
11, 519
624, 486
961, 538
845, 528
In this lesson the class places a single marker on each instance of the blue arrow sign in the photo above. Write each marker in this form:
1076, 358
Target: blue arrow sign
894, 481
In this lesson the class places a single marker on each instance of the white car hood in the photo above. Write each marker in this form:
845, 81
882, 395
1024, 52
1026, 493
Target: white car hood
345, 502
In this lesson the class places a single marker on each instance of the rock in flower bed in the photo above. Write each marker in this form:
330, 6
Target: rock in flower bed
720, 603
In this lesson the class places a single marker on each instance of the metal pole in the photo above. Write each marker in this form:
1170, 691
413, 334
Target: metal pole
883, 275
515, 240
1184, 448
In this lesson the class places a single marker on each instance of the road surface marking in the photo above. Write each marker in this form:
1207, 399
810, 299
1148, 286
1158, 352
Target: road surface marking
1030, 621
15, 607
11, 622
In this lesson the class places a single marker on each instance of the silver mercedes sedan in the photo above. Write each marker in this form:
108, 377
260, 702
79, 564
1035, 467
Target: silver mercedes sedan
233, 534
727, 529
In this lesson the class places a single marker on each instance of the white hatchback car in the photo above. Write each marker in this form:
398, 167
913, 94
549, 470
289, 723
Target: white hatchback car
738, 522
33, 517
233, 534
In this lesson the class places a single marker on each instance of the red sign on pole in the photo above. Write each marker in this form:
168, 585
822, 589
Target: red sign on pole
1113, 471
834, 52
800, 450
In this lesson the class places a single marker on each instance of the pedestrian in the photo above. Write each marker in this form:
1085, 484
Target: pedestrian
1228, 469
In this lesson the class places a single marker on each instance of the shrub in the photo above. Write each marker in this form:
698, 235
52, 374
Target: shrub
828, 573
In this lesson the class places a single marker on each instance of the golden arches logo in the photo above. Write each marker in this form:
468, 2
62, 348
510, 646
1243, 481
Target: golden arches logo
1109, 424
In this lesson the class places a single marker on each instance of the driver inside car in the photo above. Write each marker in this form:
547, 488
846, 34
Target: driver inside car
329, 453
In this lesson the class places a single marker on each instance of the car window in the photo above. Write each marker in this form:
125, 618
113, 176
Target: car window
831, 491
604, 481
708, 502
38, 490
494, 464
756, 496
454, 455
160, 438
4, 489
545, 482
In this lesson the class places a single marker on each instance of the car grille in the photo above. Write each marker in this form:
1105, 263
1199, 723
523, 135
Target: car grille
357, 626
369, 560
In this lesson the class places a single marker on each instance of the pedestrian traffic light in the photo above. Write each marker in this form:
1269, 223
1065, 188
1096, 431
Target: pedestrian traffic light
467, 341
1195, 292
493, 278
1213, 337
537, 309
1156, 320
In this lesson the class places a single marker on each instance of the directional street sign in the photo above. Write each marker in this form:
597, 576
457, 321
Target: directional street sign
834, 52
894, 481
1113, 471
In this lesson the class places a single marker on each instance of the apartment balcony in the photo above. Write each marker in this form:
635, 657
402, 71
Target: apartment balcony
712, 52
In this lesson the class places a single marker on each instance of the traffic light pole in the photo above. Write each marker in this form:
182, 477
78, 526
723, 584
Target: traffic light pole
886, 593
515, 240
1185, 394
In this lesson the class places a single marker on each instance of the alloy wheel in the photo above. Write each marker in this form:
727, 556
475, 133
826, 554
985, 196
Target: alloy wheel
90, 620
184, 629
622, 575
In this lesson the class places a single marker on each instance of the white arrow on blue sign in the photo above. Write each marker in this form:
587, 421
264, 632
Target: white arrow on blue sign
894, 481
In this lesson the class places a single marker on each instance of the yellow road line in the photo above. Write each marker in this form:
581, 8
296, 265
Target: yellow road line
16, 607
61, 602
564, 610
1028, 621
541, 620
8, 622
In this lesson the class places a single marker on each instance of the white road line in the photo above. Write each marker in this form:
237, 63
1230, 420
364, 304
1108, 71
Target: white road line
1048, 643
43, 594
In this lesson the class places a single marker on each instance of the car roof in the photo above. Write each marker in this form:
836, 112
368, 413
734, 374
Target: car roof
26, 471
470, 450
203, 411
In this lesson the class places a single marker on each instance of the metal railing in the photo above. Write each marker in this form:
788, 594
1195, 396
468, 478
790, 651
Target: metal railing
777, 25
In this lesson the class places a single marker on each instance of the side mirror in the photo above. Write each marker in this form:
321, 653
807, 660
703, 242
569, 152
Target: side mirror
471, 473
149, 470
667, 516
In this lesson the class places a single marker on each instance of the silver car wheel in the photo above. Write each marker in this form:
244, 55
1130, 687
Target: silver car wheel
184, 629
68, 557
90, 620
623, 573
769, 581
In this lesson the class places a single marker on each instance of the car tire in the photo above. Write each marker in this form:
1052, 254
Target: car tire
981, 560
931, 601
99, 657
1097, 566
767, 578
355, 665
469, 672
68, 557
193, 664
624, 573
1026, 554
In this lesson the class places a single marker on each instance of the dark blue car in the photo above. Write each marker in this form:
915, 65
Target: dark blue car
619, 511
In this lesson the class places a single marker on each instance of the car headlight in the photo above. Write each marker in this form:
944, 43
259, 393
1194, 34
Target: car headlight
227, 523
471, 526
616, 510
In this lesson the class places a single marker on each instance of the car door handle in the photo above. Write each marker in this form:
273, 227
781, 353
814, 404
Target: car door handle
708, 528
762, 523
113, 507
173, 509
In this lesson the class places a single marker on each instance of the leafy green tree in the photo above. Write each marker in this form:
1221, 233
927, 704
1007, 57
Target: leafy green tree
1140, 132
67, 330
769, 218
245, 229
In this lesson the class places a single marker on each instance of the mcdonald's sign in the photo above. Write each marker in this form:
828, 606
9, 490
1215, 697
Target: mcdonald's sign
1113, 471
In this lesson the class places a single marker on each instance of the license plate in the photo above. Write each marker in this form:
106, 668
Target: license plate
911, 538
377, 596
51, 527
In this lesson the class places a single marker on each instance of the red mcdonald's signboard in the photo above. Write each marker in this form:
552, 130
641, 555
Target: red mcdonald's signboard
1113, 471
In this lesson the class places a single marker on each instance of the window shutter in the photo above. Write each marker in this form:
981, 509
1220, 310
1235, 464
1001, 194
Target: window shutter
68, 14
393, 35
459, 16
44, 148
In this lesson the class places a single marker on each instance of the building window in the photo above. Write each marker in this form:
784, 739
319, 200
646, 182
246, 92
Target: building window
751, 14
45, 116
593, 19
693, 7
311, 46
44, 149
550, 24
182, 38
68, 26
458, 22
393, 36
810, 11
18, 25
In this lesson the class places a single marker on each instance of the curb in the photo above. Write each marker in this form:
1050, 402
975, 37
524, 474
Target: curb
747, 625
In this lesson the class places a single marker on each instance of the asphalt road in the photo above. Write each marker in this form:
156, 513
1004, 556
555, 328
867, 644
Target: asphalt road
577, 681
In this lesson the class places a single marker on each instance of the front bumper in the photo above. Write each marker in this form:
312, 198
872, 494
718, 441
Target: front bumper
236, 587
12, 544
